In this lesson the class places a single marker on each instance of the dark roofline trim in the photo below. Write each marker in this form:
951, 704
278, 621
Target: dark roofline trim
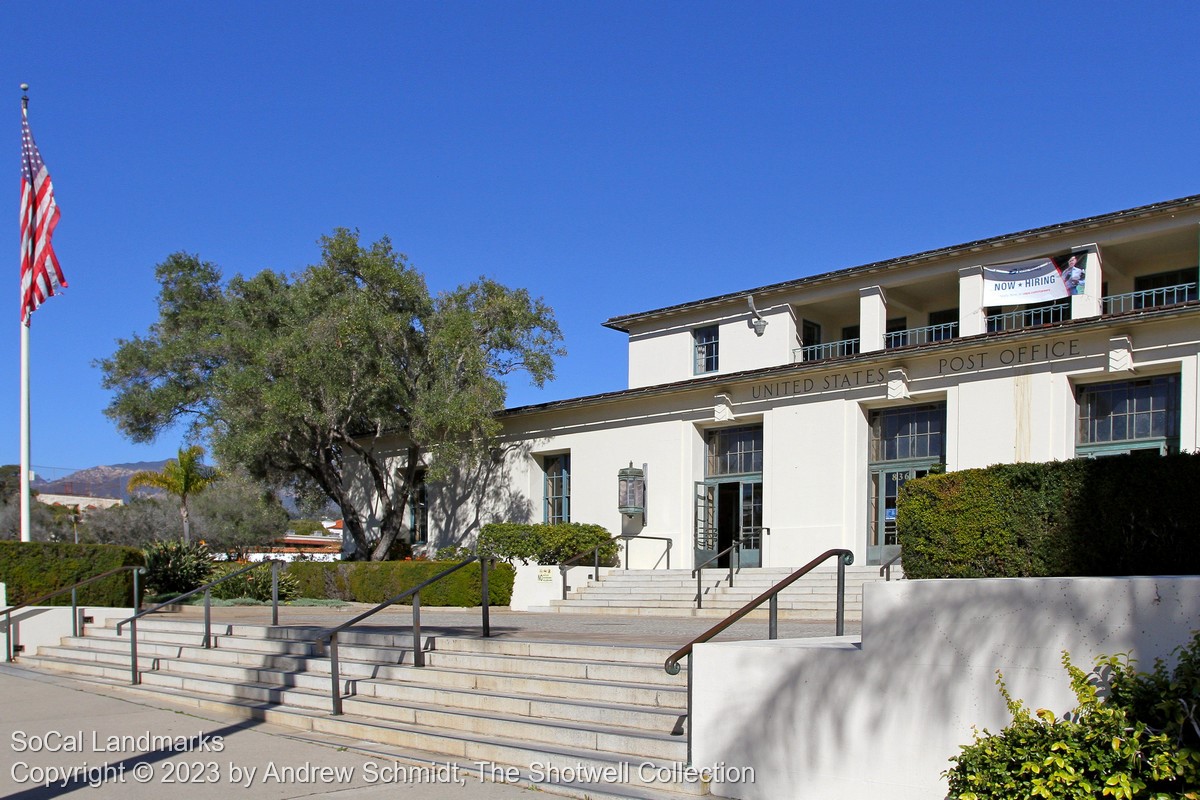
621, 323
865, 359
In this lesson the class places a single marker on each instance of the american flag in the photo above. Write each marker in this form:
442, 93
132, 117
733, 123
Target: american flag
41, 277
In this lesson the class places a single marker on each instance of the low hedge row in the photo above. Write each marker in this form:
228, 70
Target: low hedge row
32, 569
546, 543
1121, 515
374, 582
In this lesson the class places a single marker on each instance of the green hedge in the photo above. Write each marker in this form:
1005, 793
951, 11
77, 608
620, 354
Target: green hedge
1121, 515
32, 569
546, 544
367, 582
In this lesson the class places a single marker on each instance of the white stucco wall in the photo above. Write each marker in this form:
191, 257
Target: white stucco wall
44, 626
666, 353
530, 588
1008, 400
829, 719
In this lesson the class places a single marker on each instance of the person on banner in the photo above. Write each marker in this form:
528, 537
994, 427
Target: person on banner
1073, 275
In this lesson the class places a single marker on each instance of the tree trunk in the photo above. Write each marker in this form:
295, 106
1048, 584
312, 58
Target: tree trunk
187, 524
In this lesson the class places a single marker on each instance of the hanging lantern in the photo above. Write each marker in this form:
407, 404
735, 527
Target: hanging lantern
631, 490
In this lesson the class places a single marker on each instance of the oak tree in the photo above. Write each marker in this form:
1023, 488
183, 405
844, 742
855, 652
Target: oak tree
348, 372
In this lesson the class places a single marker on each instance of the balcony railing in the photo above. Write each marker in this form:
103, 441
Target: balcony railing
819, 352
1150, 298
1028, 318
930, 333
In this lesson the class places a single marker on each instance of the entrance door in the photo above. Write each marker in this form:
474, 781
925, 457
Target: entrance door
882, 544
706, 523
751, 524
725, 511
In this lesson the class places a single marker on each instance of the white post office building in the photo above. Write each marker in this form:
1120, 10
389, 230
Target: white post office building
788, 416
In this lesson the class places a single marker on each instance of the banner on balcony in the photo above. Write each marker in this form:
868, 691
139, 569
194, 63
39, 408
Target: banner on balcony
1033, 281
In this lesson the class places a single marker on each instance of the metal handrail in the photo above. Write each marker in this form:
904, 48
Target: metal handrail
73, 589
564, 566
671, 665
697, 572
418, 652
885, 571
135, 677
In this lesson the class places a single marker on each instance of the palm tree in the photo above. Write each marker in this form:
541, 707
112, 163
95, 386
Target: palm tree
183, 477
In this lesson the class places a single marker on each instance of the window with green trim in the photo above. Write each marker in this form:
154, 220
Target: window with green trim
1124, 416
706, 347
900, 434
557, 506
735, 451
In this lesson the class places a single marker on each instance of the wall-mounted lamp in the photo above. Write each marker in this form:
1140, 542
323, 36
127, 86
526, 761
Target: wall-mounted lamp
631, 490
758, 323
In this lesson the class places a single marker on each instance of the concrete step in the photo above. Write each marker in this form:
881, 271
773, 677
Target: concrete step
708, 611
631, 732
742, 594
638, 777
503, 700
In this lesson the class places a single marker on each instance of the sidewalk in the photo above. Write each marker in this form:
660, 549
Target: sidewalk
54, 731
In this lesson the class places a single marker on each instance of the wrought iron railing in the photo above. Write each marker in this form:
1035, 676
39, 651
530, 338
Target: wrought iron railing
844, 559
565, 565
1150, 298
11, 646
698, 572
819, 352
331, 634
1028, 318
885, 571
925, 335
135, 675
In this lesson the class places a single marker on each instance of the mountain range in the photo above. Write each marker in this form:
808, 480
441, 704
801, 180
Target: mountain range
109, 480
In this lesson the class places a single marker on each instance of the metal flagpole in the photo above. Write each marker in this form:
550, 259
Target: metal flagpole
25, 526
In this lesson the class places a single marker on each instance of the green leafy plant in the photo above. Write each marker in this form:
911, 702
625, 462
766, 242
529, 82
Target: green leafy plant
1131, 736
453, 553
254, 584
364, 582
1122, 515
546, 544
175, 567
33, 569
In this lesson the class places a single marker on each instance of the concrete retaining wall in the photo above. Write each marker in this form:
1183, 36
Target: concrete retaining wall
828, 719
43, 626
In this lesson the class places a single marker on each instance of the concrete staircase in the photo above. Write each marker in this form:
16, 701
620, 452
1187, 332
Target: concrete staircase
582, 707
673, 593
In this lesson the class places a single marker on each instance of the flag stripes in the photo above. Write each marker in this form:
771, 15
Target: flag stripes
41, 276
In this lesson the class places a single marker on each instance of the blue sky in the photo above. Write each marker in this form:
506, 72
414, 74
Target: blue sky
612, 157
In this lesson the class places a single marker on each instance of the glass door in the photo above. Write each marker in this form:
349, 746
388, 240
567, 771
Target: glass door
882, 543
751, 525
706, 523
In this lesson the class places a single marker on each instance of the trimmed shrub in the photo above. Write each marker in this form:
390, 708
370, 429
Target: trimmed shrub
174, 567
1131, 735
1123, 515
374, 582
546, 544
32, 569
254, 584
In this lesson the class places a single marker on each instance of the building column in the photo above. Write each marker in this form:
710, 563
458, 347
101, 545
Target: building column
1189, 406
872, 319
972, 316
1090, 303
